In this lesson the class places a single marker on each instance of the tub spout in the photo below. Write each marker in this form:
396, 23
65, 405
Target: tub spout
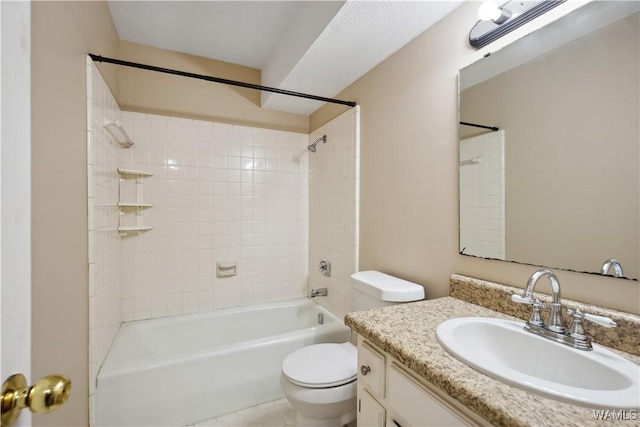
320, 292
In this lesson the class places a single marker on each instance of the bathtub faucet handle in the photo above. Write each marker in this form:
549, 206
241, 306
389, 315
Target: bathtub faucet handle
319, 292
325, 267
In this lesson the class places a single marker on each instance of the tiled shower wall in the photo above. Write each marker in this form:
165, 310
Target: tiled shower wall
103, 156
334, 184
482, 195
221, 194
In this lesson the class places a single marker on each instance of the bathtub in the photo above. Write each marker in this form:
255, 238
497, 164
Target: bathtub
181, 370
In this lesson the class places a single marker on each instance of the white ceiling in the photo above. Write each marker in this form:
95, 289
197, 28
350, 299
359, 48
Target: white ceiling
315, 47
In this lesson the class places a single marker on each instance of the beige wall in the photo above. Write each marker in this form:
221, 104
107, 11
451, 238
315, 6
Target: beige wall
571, 157
409, 171
170, 95
62, 34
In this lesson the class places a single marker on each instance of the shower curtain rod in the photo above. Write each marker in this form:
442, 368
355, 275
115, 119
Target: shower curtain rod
493, 128
98, 58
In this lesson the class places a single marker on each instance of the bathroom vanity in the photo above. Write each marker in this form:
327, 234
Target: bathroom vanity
406, 378
390, 394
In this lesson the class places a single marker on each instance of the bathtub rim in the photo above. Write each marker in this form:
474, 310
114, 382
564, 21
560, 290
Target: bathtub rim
116, 367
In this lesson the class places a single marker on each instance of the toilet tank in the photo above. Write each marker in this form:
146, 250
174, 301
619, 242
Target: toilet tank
375, 289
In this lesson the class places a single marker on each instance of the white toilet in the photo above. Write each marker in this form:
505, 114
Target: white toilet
320, 380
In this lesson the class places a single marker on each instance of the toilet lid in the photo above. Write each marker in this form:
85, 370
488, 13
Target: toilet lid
322, 365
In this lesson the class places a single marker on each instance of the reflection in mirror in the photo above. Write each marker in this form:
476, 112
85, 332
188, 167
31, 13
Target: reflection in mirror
558, 185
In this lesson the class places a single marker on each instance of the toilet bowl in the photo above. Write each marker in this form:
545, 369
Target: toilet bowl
320, 380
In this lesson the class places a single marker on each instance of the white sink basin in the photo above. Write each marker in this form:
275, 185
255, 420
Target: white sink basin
503, 350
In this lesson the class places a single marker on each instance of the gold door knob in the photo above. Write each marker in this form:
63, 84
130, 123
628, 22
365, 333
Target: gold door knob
46, 395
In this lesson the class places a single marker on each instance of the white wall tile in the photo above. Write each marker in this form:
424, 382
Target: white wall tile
105, 302
333, 220
212, 207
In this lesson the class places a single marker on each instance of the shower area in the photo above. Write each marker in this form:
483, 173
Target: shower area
188, 217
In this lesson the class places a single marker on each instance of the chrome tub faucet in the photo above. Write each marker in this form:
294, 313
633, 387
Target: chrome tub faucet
319, 292
325, 267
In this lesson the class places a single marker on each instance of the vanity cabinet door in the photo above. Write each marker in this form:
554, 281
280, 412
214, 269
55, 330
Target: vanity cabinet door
415, 404
370, 412
371, 367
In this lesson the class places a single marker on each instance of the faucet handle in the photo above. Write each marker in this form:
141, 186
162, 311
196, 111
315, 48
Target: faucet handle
535, 318
522, 299
600, 320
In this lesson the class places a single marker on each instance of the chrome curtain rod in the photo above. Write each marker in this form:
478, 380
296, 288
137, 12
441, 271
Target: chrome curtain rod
98, 58
492, 128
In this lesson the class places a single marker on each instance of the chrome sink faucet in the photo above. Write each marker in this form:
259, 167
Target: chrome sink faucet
554, 322
554, 328
617, 268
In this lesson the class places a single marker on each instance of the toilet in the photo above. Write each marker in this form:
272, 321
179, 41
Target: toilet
320, 380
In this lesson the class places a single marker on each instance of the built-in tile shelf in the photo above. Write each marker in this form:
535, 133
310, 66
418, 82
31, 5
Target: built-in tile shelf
132, 208
132, 172
129, 228
134, 205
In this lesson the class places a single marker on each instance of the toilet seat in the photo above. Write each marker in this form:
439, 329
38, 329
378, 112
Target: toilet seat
322, 365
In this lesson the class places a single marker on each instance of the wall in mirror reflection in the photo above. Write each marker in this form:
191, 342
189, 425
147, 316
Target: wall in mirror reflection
570, 122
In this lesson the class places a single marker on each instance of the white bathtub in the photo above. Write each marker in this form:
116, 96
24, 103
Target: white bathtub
181, 370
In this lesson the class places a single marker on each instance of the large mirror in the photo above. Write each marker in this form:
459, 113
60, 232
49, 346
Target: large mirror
558, 184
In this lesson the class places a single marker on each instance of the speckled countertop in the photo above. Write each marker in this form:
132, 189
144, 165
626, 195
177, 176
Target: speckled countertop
407, 333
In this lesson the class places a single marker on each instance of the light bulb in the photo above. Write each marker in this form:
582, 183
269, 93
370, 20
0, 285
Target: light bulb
490, 11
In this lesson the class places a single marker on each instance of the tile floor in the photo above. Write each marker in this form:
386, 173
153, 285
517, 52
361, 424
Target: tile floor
278, 413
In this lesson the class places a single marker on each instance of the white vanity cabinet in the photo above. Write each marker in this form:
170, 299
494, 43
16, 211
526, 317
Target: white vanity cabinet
390, 394
370, 412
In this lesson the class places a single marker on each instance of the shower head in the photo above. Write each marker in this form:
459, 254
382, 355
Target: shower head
312, 147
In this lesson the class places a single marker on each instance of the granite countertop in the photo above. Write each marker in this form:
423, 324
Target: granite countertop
407, 333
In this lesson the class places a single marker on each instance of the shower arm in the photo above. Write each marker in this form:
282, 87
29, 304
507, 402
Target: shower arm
323, 138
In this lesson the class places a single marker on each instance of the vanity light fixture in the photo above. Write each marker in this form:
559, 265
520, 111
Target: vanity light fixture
496, 21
